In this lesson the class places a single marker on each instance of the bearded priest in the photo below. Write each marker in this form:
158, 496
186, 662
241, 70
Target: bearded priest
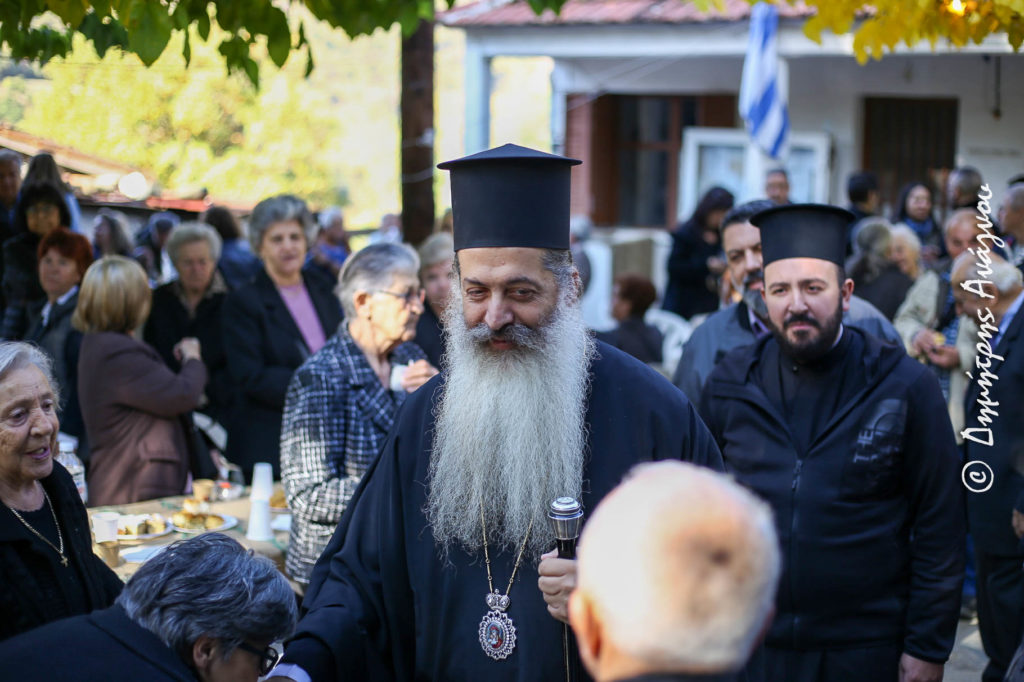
441, 569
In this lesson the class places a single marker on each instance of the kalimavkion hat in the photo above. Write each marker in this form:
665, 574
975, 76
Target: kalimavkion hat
803, 231
510, 196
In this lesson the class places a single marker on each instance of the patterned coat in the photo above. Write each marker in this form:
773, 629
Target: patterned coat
336, 417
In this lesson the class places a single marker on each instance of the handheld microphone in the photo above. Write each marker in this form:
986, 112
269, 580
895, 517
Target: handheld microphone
566, 515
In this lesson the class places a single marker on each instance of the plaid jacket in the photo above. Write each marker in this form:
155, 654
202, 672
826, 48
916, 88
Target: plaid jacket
336, 418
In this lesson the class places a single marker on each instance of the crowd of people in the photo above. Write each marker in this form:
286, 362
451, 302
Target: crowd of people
883, 257
423, 409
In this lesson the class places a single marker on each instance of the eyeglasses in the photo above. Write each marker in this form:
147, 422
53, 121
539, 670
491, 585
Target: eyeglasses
410, 297
35, 209
269, 657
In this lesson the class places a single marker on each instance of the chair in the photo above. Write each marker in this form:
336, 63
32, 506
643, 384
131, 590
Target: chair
676, 331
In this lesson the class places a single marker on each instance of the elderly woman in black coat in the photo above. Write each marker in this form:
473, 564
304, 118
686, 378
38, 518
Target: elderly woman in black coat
48, 570
271, 325
190, 306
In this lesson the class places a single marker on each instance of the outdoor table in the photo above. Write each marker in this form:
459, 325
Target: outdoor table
274, 549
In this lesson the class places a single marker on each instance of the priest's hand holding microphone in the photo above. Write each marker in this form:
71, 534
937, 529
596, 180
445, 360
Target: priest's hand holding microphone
557, 568
557, 571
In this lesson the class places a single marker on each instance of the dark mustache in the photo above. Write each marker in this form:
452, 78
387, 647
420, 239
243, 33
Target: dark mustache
801, 317
518, 334
753, 278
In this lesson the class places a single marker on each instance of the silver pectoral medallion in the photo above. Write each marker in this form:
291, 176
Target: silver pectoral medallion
497, 634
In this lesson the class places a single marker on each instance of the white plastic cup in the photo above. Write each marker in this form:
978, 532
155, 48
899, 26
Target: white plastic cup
104, 526
259, 521
262, 481
397, 374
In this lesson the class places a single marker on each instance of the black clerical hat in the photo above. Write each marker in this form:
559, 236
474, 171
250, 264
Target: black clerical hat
803, 231
510, 196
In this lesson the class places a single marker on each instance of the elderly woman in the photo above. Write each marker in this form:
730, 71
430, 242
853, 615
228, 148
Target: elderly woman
190, 306
906, 251
63, 259
437, 253
876, 278
342, 401
41, 210
48, 570
203, 609
271, 326
136, 409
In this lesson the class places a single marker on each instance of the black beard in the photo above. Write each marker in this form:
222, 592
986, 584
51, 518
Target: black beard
811, 349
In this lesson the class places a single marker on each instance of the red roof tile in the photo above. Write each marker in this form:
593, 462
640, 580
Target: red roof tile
574, 12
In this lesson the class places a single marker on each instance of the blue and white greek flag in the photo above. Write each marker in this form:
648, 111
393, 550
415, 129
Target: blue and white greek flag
762, 96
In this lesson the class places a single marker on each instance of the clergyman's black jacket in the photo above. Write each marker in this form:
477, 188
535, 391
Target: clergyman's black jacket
870, 518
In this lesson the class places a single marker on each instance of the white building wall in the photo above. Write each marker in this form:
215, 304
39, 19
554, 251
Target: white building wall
826, 94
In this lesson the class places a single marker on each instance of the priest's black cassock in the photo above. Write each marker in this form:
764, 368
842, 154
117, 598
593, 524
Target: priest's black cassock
384, 605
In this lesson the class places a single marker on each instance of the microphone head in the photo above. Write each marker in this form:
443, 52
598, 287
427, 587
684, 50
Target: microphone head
566, 515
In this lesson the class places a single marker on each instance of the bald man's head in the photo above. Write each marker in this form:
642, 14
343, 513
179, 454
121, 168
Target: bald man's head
677, 572
1011, 212
991, 283
961, 231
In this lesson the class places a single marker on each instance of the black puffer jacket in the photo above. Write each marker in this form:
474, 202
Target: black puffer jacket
870, 520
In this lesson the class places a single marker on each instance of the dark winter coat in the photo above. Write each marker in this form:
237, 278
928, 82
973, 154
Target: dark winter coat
24, 600
870, 518
264, 348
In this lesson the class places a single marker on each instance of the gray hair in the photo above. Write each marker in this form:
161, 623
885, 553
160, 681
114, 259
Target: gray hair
328, 215
709, 585
372, 269
210, 585
967, 180
10, 156
872, 257
279, 209
958, 216
556, 261
15, 355
907, 234
190, 233
1014, 197
437, 248
1003, 275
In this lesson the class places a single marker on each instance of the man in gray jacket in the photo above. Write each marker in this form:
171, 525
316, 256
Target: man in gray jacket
745, 322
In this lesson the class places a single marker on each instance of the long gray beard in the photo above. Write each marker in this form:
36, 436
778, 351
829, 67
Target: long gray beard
509, 432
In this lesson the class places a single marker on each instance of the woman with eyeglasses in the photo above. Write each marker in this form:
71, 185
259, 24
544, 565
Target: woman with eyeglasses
341, 402
271, 325
202, 610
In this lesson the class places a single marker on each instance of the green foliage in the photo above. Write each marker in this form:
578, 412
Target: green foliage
200, 127
41, 30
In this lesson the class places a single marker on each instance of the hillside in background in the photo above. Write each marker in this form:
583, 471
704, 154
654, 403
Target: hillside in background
332, 138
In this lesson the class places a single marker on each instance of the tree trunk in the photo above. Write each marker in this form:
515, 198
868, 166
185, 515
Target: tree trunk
418, 133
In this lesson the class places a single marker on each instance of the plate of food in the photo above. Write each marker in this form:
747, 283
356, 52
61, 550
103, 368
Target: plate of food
142, 526
201, 522
140, 555
278, 503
